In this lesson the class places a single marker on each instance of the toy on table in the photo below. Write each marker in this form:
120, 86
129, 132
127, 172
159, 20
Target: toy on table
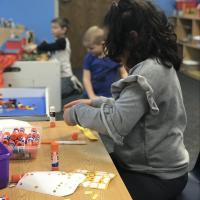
97, 179
32, 55
54, 156
88, 133
22, 142
74, 136
30, 47
53, 183
12, 104
4, 197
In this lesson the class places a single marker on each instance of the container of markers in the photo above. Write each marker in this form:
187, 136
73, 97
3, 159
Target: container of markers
22, 142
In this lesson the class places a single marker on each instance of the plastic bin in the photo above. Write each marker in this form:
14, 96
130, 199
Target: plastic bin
4, 166
182, 4
24, 144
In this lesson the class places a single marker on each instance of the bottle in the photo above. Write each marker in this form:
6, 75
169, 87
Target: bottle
52, 117
4, 197
54, 156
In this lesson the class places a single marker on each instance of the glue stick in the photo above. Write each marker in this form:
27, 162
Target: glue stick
4, 197
52, 117
54, 156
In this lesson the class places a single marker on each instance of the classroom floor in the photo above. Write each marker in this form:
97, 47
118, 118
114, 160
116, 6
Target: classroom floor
191, 95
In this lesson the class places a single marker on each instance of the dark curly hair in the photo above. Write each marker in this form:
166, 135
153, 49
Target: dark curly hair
138, 30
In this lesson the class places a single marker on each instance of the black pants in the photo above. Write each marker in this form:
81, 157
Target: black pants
148, 187
68, 89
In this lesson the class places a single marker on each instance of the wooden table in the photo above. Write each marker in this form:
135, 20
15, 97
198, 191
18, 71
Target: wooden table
92, 156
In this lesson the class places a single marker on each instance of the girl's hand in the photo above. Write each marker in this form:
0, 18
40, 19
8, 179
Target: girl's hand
80, 101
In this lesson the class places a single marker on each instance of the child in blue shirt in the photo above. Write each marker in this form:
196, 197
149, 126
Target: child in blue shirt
99, 71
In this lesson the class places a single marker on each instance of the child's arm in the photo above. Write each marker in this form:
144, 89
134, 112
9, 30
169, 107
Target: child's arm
115, 118
59, 44
87, 84
122, 72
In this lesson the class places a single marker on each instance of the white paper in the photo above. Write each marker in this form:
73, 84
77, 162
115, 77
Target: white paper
52, 183
12, 123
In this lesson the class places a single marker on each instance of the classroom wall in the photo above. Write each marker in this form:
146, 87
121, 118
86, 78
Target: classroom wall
34, 14
37, 14
166, 5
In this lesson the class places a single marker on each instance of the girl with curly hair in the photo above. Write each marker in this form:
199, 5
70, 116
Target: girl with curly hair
146, 117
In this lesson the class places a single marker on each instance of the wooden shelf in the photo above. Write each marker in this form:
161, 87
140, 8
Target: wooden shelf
6, 32
187, 17
194, 45
186, 27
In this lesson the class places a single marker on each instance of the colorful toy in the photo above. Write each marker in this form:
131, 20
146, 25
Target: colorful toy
12, 104
11, 51
74, 136
97, 179
88, 133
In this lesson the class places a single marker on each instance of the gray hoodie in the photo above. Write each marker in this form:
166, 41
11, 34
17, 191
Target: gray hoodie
146, 119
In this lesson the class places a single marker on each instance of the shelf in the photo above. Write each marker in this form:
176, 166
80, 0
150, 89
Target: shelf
194, 44
187, 17
186, 27
191, 71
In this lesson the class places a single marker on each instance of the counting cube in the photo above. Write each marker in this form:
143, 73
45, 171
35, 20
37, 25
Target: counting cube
74, 136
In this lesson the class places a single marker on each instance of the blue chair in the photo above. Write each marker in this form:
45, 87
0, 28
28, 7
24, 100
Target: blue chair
192, 189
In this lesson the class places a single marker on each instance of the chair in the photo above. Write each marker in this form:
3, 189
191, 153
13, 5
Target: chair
192, 189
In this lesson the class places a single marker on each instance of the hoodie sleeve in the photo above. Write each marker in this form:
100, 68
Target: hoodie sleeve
114, 118
101, 100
